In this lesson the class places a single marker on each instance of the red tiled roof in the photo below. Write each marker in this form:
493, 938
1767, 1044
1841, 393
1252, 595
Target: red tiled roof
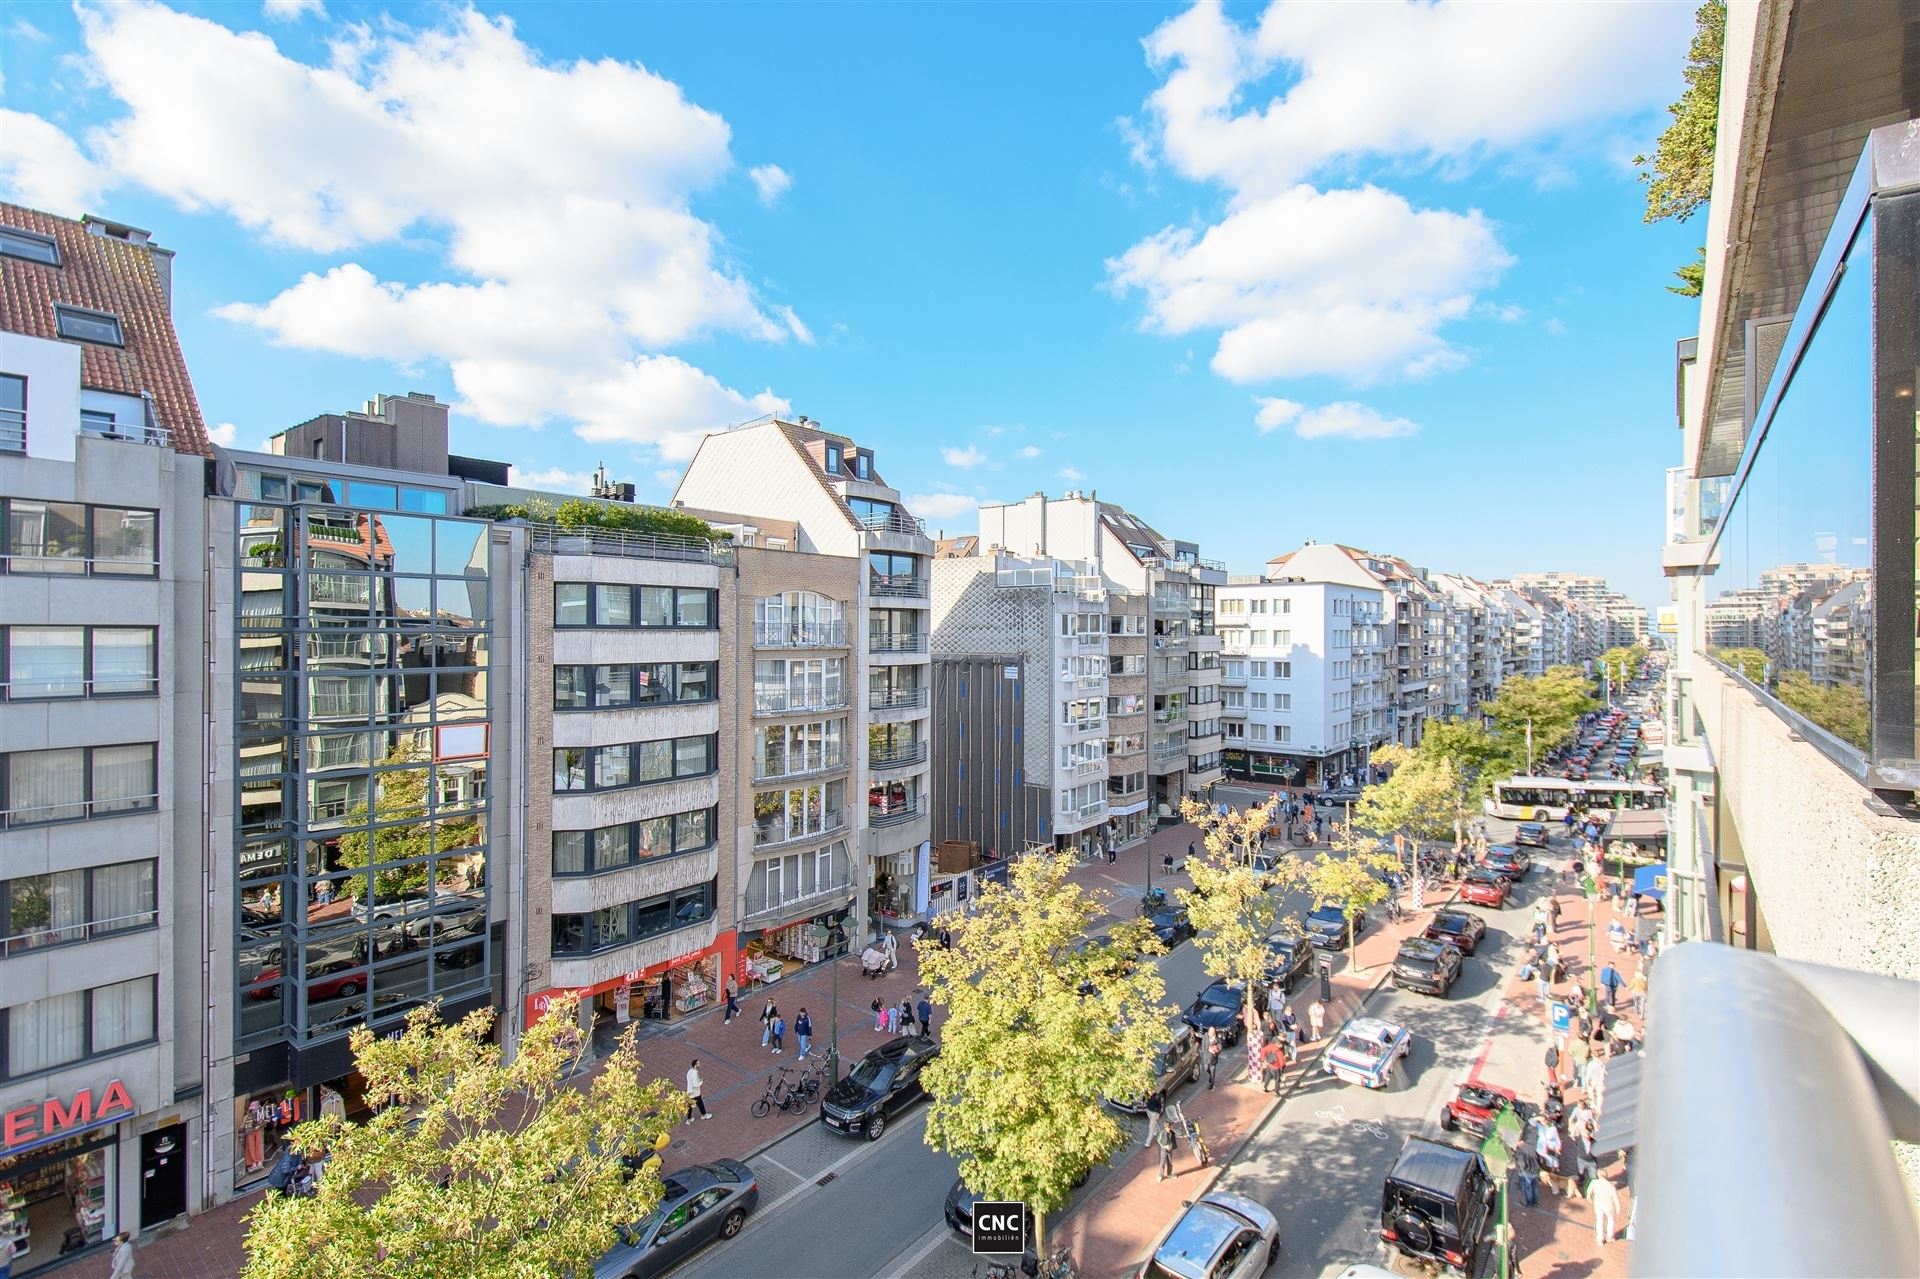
102, 273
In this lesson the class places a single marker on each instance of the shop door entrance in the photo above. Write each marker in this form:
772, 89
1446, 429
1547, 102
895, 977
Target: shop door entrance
163, 1175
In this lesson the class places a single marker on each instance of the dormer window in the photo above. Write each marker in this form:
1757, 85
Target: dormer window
863, 464
29, 246
833, 459
83, 325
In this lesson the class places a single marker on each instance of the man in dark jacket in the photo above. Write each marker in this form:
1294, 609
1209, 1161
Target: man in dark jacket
926, 1016
1526, 1162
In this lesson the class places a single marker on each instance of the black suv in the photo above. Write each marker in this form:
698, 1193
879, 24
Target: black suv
1331, 926
1218, 1008
1437, 1205
1290, 961
880, 1083
1430, 967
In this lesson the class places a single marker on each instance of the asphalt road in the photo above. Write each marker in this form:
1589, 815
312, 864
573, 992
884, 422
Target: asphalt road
1321, 1158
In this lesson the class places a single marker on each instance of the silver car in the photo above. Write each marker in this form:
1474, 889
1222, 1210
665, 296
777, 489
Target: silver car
1219, 1236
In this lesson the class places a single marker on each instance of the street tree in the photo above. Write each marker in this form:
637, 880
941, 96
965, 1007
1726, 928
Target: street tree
402, 832
1476, 758
1551, 703
1349, 882
473, 1165
1750, 662
1232, 903
1041, 1026
1418, 801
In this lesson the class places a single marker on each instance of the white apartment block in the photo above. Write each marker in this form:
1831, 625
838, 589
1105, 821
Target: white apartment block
1303, 677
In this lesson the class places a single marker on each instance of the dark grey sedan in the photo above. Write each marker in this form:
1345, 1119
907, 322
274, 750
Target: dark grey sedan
702, 1203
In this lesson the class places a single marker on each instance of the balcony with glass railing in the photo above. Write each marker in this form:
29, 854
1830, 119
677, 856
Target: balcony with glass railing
775, 831
774, 700
896, 755
1085, 723
796, 768
896, 813
888, 642
897, 585
800, 635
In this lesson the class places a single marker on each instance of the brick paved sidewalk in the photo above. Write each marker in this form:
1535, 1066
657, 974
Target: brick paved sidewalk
1555, 1239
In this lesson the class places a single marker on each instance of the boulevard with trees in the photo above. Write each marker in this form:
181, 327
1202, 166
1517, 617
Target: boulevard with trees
1234, 903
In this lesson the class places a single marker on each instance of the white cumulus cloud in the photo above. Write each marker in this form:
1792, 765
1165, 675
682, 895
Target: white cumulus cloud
1342, 420
942, 506
548, 206
770, 180
292, 10
554, 479
223, 434
1275, 412
965, 458
1030, 451
1070, 474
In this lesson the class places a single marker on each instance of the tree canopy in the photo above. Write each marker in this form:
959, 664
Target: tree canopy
1552, 702
1231, 903
1041, 1025
400, 797
473, 1167
1419, 799
1349, 882
1750, 662
1679, 175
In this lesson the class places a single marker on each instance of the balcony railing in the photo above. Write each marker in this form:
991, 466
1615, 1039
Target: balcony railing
554, 540
1172, 604
1125, 750
895, 521
1086, 768
903, 585
1090, 639
1084, 723
895, 642
800, 635
1083, 812
895, 814
807, 768
13, 430
106, 428
901, 756
781, 701
897, 699
772, 834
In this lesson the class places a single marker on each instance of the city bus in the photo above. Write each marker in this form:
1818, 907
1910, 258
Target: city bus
1545, 799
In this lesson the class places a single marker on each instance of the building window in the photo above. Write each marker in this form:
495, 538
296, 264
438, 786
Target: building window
83, 325
70, 538
788, 750
13, 413
775, 881
591, 768
1282, 733
594, 604
629, 922
1258, 670
1282, 670
45, 662
577, 688
798, 812
62, 1029
594, 852
74, 905
37, 787
782, 686
799, 619
30, 246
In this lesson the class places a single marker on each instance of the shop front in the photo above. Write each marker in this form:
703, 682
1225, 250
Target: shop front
1125, 824
784, 949
263, 1121
664, 992
60, 1177
900, 892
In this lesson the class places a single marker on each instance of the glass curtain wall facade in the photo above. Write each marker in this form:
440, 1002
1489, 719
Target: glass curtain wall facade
363, 718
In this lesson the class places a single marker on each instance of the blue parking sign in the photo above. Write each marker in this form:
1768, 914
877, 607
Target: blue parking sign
1562, 1017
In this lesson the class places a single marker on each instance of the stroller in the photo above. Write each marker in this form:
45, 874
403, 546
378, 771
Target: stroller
873, 962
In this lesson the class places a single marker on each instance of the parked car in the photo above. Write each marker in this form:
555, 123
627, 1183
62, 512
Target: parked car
1336, 798
1290, 961
1174, 1062
1510, 862
958, 1209
1331, 926
1366, 1052
1484, 887
1459, 929
700, 1204
1437, 1205
1218, 1007
1218, 1236
1475, 1106
1171, 925
880, 1083
1531, 833
1428, 967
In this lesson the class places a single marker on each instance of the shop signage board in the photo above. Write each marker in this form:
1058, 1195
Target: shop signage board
36, 1123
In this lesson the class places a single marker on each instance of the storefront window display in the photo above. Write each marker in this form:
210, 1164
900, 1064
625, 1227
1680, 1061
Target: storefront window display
779, 952
57, 1201
261, 1124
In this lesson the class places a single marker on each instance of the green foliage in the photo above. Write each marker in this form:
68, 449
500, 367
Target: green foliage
1231, 903
1841, 709
1679, 176
400, 796
1553, 702
1026, 1059
1348, 882
1420, 799
1692, 276
579, 513
1750, 662
473, 1168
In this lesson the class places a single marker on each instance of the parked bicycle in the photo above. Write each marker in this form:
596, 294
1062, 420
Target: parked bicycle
1188, 1131
808, 1085
1059, 1265
779, 1093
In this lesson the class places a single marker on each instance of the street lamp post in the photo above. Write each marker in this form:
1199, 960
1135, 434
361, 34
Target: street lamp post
836, 932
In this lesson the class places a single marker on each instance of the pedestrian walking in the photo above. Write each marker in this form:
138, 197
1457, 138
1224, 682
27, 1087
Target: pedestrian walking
879, 1014
1553, 913
733, 1002
1166, 862
1543, 977
1273, 1061
1190, 847
1553, 962
1290, 1031
1547, 1145
693, 1091
1606, 1208
767, 1015
1611, 981
907, 1024
892, 947
1526, 1162
122, 1256
779, 1035
1164, 1139
1317, 1019
946, 938
1319, 829
1586, 1165
803, 1031
1637, 992
1213, 1053
1156, 1106
926, 1016
1569, 1164
1552, 1059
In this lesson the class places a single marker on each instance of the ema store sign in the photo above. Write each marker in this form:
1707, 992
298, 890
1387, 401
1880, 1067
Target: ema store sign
54, 1116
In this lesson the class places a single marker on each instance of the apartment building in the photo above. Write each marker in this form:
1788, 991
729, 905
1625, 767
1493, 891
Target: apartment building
1041, 626
1792, 823
1303, 678
1161, 598
367, 645
103, 471
829, 492
1487, 620
1601, 617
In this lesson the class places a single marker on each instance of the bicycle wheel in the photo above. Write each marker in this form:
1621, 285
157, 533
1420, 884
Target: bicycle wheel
795, 1102
761, 1107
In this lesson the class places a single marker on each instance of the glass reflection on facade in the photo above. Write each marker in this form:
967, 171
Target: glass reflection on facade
362, 751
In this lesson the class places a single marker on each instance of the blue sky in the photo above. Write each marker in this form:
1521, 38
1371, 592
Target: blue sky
1374, 273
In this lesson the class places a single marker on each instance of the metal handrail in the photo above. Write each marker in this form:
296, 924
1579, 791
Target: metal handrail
800, 635
81, 809
148, 432
1770, 1097
833, 821
839, 764
897, 756
889, 642
895, 521
554, 540
13, 430
788, 703
899, 699
907, 585
896, 815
